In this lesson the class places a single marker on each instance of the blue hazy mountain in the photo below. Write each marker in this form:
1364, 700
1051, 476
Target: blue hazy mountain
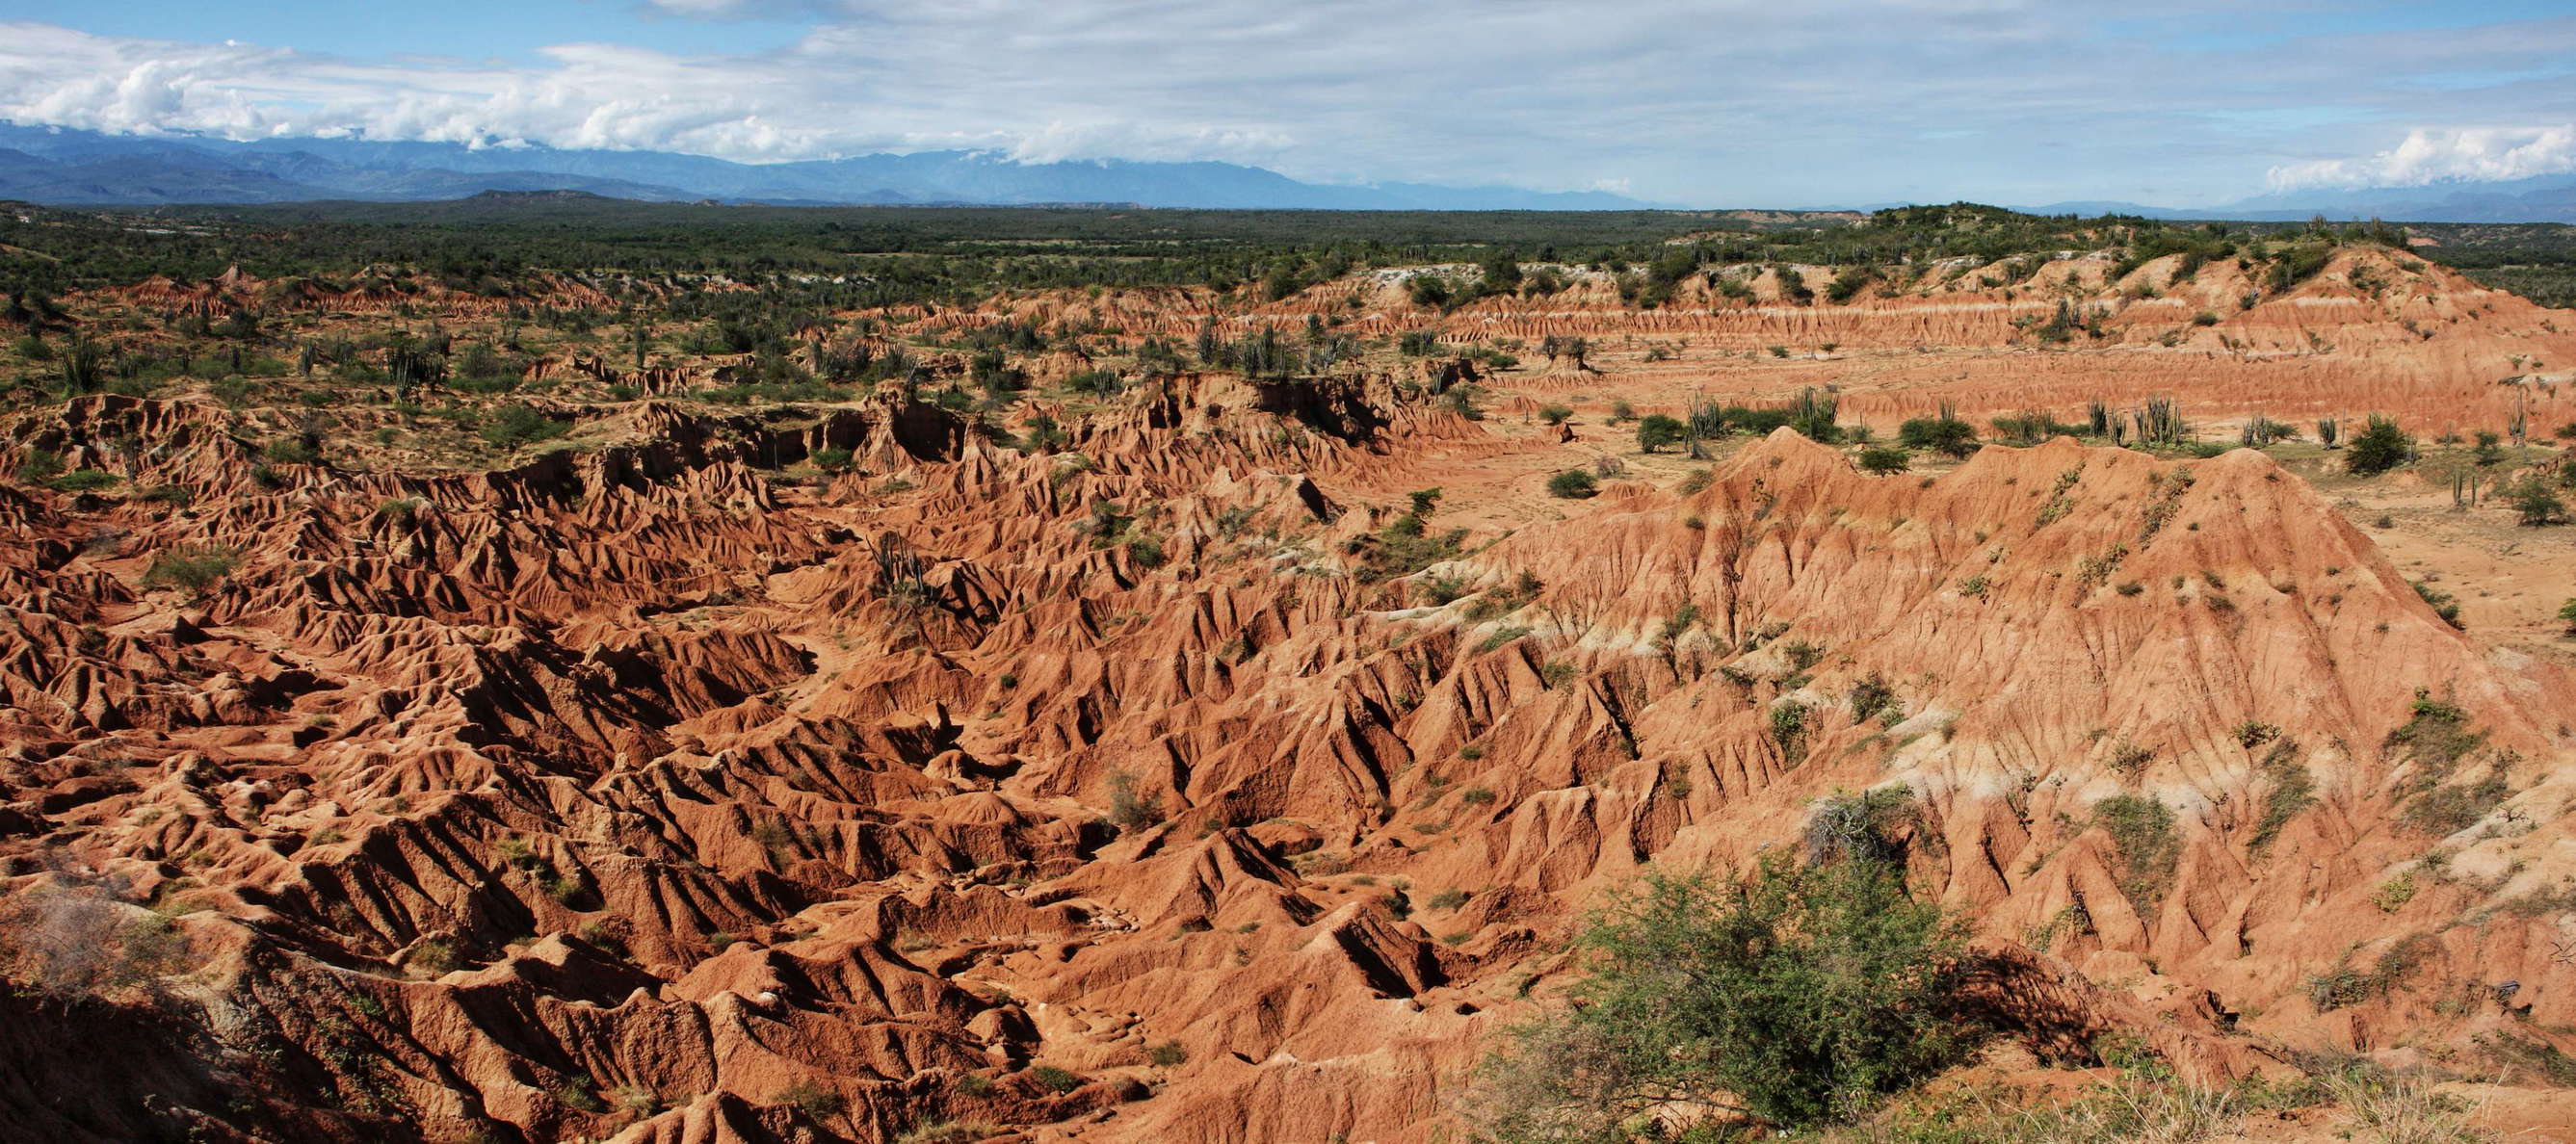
2545, 198
55, 165
74, 167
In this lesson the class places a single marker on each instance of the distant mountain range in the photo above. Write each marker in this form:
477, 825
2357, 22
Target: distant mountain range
72, 167
65, 166
2547, 198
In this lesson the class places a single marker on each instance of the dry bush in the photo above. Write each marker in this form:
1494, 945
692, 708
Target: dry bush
75, 936
2137, 1110
2394, 1108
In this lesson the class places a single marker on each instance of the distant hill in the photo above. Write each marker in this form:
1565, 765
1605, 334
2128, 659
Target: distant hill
2547, 198
70, 167
73, 167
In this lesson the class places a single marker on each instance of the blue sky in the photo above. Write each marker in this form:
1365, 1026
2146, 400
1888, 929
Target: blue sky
465, 29
1704, 102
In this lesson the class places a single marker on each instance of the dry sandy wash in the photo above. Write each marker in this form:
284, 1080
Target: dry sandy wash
663, 789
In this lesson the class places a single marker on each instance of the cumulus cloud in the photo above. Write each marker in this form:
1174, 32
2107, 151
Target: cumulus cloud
2437, 155
1706, 101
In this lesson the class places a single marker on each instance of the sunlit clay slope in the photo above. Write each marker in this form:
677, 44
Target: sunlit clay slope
1148, 790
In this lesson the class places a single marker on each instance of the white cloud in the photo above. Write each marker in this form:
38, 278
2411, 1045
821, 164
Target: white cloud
2434, 155
1736, 102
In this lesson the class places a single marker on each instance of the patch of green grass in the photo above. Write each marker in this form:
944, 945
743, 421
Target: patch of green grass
2149, 847
1054, 1079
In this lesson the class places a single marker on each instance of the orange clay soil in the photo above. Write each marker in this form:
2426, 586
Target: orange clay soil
662, 789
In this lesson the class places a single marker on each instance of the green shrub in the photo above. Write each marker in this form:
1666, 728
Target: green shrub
293, 451
2380, 447
1572, 484
2292, 791
1658, 430
1801, 994
2344, 985
1848, 284
2149, 848
1948, 436
2393, 894
1884, 461
1441, 591
434, 956
1871, 698
577, 1095
40, 467
1169, 1054
1461, 399
1097, 382
2444, 604
1054, 1079
1130, 810
2534, 503
189, 569
812, 1099
518, 425
2441, 808
85, 481
1789, 730
832, 460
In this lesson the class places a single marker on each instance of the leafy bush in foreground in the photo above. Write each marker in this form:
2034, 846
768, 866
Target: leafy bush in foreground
1798, 994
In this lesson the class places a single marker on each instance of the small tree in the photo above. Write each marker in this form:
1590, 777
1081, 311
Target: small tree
2535, 503
2380, 447
1572, 484
1659, 430
1945, 435
1130, 809
1883, 462
1799, 994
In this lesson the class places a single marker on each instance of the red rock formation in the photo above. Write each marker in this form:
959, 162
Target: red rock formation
638, 790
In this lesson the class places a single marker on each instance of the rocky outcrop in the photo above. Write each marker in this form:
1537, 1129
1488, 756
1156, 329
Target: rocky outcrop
1133, 791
